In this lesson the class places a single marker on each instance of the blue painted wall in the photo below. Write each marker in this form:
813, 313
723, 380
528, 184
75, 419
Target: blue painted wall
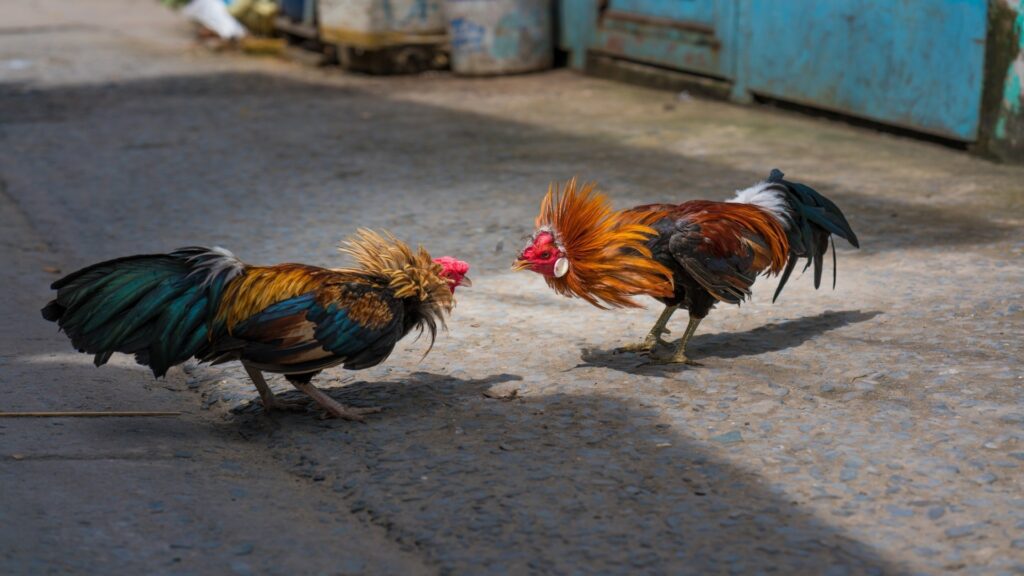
913, 63
918, 64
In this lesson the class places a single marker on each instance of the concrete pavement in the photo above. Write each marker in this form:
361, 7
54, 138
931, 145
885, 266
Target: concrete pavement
876, 428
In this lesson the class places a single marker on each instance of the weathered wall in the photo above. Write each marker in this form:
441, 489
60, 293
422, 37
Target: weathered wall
1002, 134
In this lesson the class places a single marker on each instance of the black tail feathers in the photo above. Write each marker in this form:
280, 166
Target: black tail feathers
815, 219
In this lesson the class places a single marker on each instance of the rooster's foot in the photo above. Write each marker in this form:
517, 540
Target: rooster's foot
677, 354
674, 357
653, 339
351, 413
646, 345
642, 346
673, 360
334, 408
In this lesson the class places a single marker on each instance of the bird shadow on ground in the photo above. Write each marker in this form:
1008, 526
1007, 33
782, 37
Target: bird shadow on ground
771, 337
558, 483
555, 483
362, 394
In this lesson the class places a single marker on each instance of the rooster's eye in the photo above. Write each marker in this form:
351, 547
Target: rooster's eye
545, 255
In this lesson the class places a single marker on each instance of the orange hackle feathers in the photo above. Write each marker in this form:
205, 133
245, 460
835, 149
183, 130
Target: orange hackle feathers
408, 273
608, 256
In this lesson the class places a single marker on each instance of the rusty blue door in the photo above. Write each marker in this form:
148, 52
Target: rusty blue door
693, 35
912, 63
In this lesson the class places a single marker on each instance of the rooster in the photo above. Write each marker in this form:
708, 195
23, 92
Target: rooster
290, 319
690, 255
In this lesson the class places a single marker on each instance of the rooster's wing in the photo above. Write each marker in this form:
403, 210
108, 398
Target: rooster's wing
726, 274
354, 323
722, 246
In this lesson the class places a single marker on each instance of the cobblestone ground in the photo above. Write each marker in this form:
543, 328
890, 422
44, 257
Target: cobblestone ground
874, 428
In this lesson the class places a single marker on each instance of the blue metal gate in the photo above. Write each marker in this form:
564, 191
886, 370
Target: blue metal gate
912, 63
694, 35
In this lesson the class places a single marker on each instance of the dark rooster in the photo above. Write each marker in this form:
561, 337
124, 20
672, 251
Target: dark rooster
690, 255
290, 319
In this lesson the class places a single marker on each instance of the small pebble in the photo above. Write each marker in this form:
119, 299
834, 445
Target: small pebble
986, 478
899, 511
960, 531
728, 437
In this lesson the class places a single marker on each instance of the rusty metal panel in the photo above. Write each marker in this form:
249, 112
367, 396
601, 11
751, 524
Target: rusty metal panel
694, 11
912, 63
691, 35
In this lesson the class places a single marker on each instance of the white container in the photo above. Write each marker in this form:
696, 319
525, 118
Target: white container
380, 23
499, 36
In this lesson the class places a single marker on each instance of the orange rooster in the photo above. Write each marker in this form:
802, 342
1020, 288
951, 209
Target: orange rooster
690, 255
291, 319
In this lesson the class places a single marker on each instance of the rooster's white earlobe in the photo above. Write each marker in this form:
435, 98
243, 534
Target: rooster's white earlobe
561, 267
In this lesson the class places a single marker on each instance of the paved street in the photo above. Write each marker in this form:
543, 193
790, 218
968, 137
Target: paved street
877, 428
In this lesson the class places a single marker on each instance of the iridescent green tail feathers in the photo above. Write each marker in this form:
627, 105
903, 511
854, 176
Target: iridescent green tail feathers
159, 307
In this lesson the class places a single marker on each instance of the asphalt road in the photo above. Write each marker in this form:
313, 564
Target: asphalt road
876, 428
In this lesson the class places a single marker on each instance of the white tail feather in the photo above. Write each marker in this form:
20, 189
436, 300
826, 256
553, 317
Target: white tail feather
768, 196
212, 263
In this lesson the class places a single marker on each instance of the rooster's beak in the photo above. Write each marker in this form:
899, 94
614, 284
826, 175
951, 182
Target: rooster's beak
465, 282
520, 265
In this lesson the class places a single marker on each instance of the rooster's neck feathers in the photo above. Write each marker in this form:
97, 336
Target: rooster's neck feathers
609, 261
412, 276
409, 274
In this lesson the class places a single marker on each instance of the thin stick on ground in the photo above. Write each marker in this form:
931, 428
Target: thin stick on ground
80, 414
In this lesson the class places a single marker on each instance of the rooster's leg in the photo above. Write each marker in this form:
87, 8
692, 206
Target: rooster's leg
678, 356
332, 406
653, 338
271, 402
